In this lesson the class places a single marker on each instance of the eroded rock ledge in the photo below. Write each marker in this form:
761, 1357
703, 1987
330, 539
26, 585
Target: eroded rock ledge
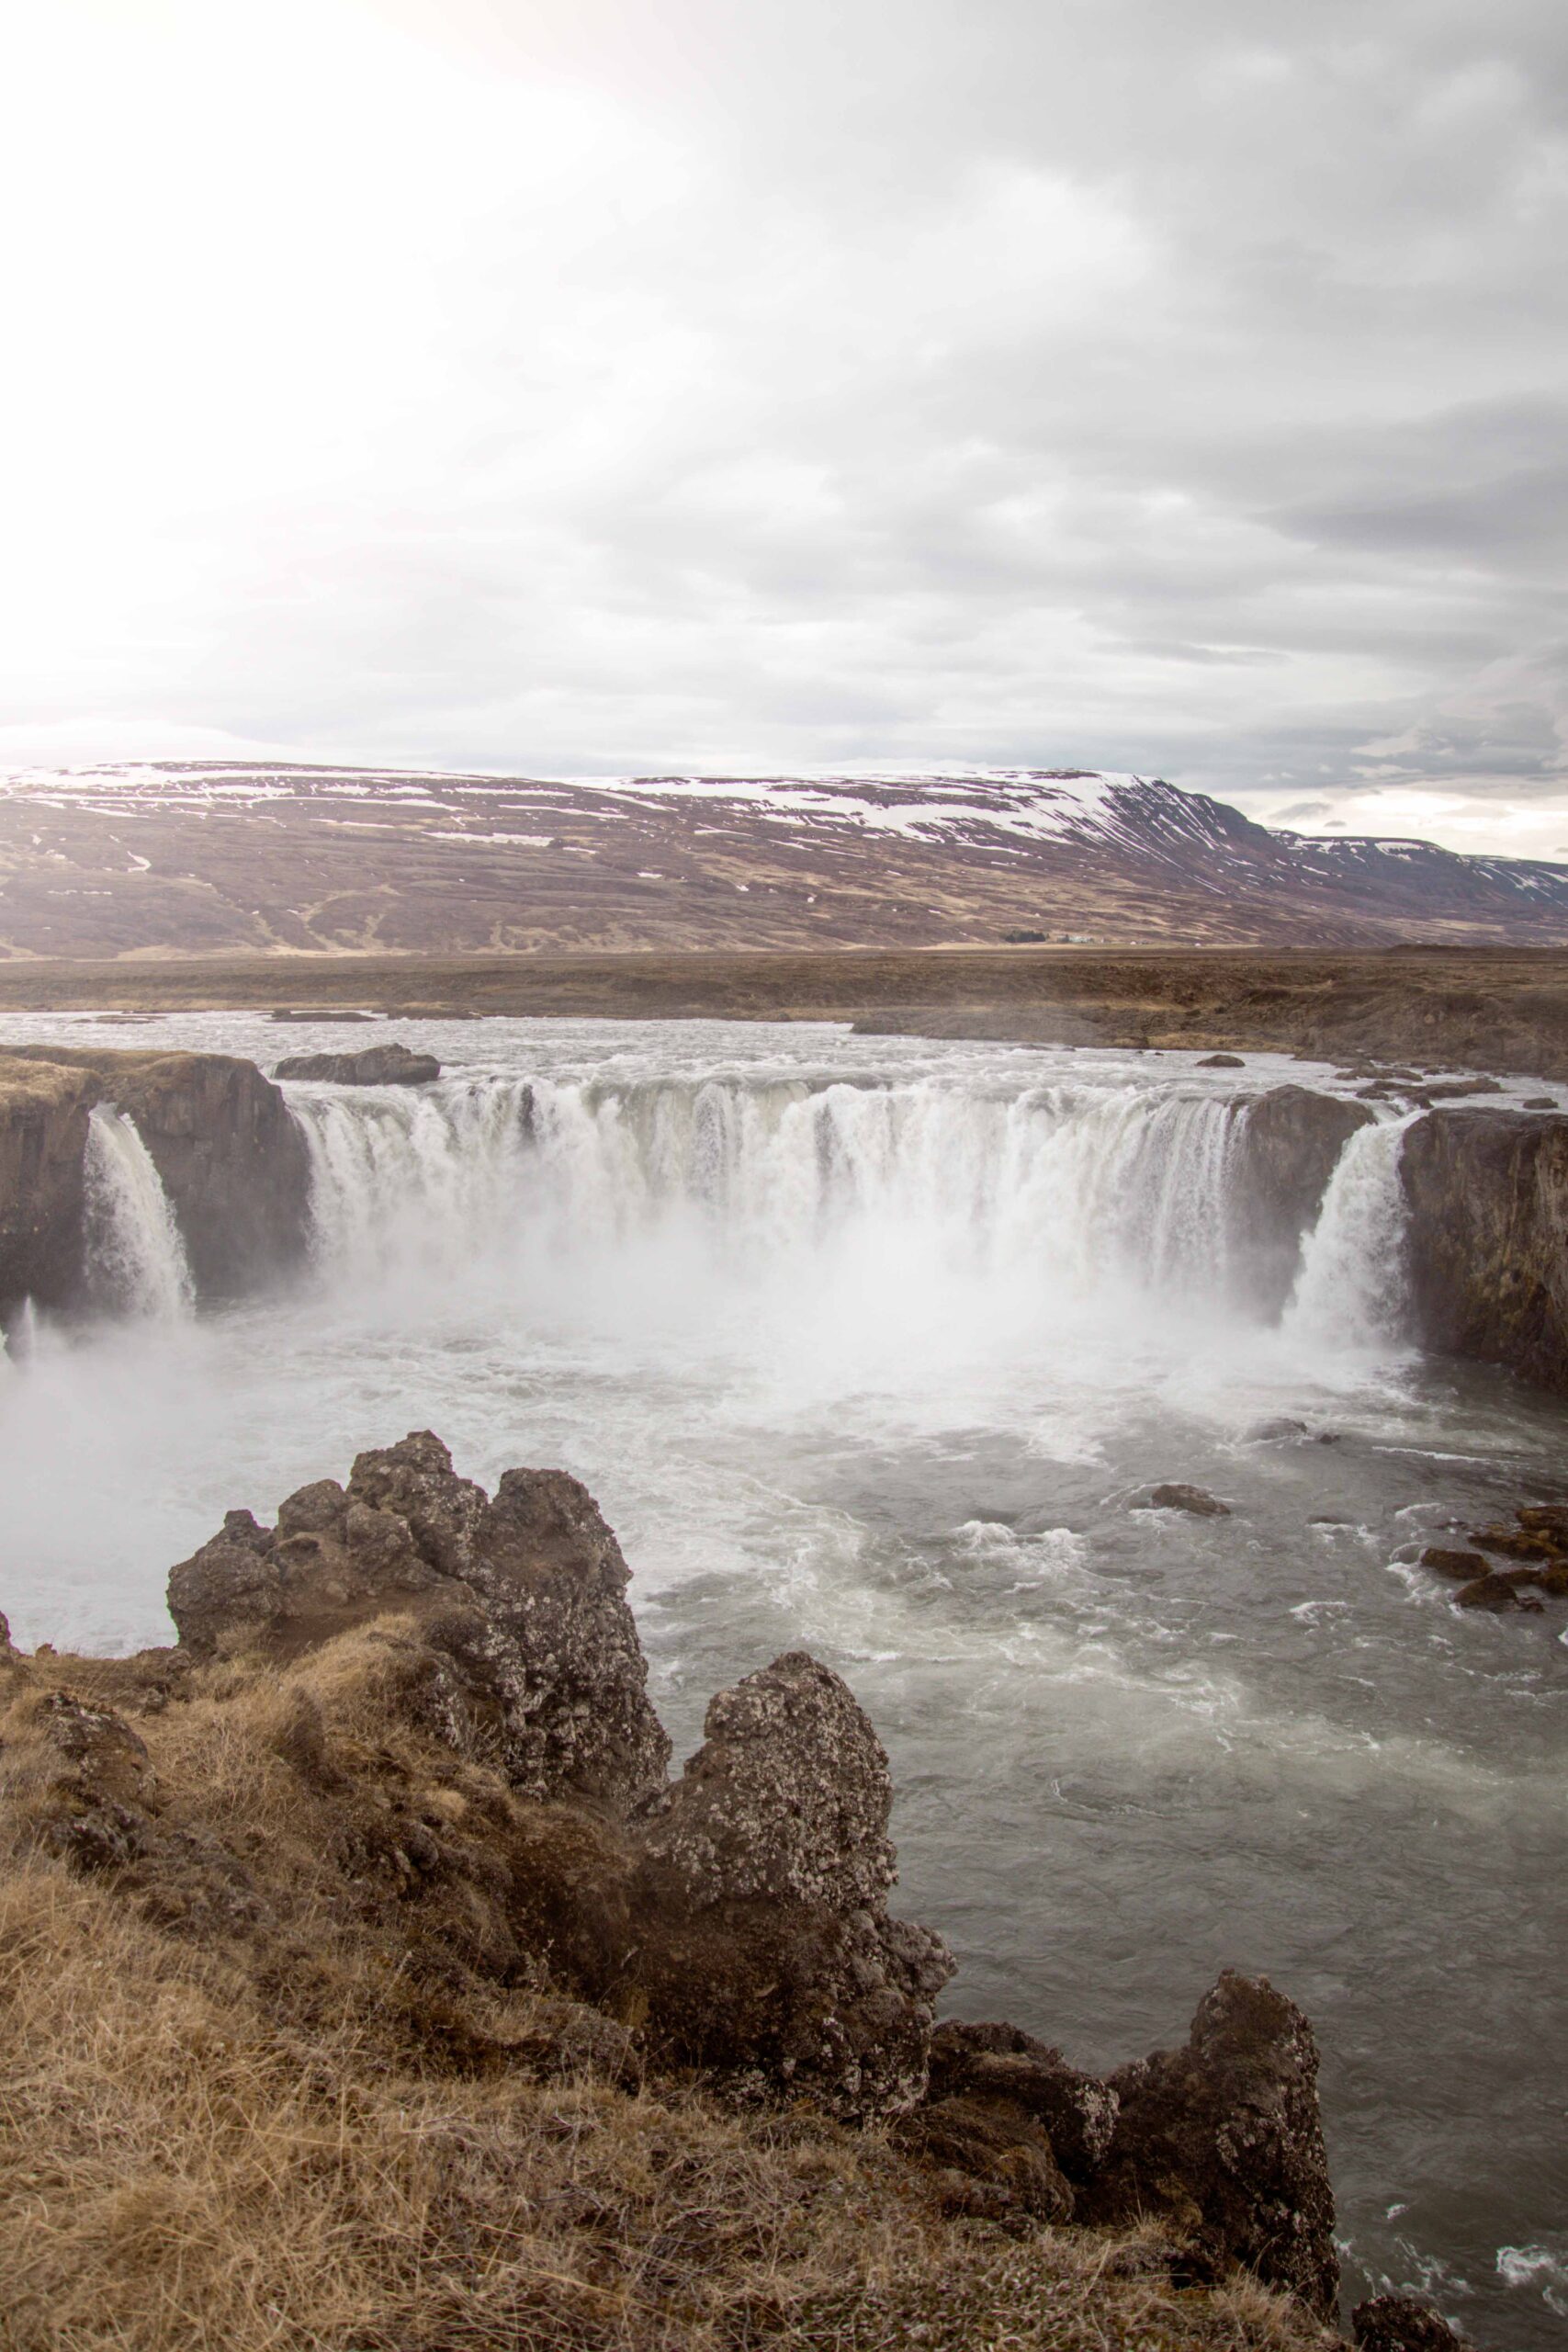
452, 1686
230, 1158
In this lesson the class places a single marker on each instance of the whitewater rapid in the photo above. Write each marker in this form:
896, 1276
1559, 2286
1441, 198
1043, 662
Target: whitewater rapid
875, 1347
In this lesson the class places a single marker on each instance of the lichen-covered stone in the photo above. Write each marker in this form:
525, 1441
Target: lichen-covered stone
999, 2063
521, 1602
1399, 2323
771, 1953
1224, 2136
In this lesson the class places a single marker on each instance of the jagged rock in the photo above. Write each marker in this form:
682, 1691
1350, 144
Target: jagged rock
84, 1777
1486, 1194
393, 1065
997, 2161
522, 1600
1445, 1562
1286, 1145
1494, 1592
1195, 1499
1454, 1090
233, 1162
1224, 2137
999, 2064
766, 1872
1399, 2323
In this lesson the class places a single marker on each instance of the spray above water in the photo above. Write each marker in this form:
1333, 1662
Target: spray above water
1065, 1187
136, 1259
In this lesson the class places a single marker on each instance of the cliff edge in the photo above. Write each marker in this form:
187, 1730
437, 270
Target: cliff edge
369, 1983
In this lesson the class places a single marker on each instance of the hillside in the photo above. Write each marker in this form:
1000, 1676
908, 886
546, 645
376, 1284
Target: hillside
207, 859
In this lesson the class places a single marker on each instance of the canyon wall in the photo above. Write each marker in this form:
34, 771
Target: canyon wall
1487, 1239
43, 1142
232, 1161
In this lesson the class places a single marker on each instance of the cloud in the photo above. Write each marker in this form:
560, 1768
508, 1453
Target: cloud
510, 384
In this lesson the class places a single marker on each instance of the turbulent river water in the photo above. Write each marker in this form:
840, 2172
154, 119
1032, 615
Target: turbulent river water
871, 1346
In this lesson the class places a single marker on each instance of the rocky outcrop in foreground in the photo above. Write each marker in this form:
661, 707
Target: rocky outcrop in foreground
475, 1784
232, 1161
1487, 1249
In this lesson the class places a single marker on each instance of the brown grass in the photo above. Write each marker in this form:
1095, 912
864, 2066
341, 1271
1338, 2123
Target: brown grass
247, 2140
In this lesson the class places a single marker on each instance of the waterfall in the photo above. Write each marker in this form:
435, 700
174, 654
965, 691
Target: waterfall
1351, 1288
759, 1171
136, 1259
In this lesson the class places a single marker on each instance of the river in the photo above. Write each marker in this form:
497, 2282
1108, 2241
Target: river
875, 1346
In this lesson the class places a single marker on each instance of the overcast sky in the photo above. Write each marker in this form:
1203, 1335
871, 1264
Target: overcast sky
580, 385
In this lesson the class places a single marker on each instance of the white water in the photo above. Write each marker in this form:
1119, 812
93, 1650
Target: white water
875, 1347
1351, 1288
136, 1259
1061, 1189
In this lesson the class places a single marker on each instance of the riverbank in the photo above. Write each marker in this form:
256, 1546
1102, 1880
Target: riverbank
1479, 1008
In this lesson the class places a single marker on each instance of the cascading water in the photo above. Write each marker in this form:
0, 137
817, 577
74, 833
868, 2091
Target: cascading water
875, 1347
1067, 1184
1351, 1288
136, 1259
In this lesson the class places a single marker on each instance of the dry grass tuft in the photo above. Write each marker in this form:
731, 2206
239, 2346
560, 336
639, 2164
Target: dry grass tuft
295, 2116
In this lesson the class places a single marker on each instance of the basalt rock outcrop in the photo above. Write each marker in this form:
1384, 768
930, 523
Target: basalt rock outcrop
393, 1065
764, 1879
232, 1161
1224, 2138
43, 1142
741, 1913
519, 1601
1287, 1145
1399, 2323
1487, 1248
454, 1766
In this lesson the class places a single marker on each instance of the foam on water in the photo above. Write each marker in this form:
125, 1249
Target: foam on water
876, 1346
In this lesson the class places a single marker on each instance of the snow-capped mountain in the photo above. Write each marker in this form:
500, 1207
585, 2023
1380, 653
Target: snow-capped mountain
207, 857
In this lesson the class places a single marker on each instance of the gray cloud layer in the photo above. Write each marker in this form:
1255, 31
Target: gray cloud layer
1099, 382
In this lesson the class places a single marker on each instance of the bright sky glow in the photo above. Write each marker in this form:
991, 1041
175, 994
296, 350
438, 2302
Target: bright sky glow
525, 386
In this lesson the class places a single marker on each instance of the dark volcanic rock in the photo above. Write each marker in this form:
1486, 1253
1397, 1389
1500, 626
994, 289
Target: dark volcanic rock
1000, 2063
741, 1915
1224, 2137
231, 1160
1487, 1196
769, 1949
1494, 1592
43, 1139
394, 1065
1287, 1145
1447, 1563
1399, 2323
522, 1601
1194, 1500
996, 2160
